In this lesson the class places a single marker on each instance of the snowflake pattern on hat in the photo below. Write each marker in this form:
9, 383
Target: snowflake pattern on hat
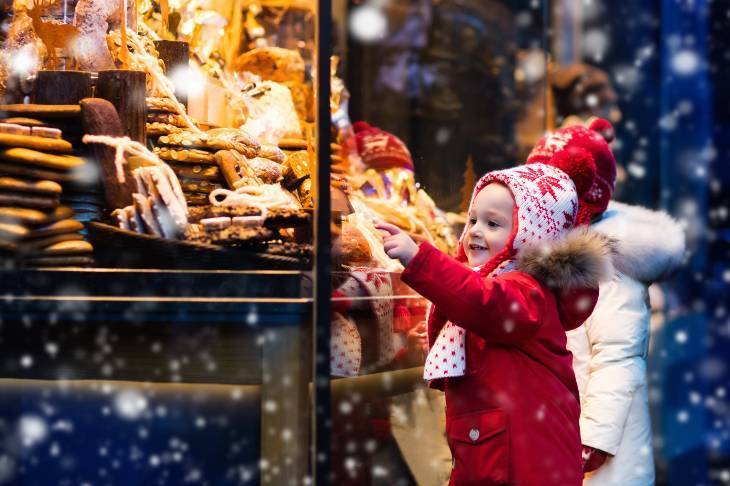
545, 201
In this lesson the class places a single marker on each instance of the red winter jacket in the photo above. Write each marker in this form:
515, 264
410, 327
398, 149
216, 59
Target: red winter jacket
513, 418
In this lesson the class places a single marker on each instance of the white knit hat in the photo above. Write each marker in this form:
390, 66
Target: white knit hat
546, 204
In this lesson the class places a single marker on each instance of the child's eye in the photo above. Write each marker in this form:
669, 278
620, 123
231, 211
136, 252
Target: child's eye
493, 224
472, 221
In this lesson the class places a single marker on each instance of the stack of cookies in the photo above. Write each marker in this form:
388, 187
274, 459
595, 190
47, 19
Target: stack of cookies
36, 166
196, 159
163, 118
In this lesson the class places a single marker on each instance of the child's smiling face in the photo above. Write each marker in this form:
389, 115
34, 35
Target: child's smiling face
489, 224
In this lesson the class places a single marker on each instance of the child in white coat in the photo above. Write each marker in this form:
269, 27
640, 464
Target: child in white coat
610, 348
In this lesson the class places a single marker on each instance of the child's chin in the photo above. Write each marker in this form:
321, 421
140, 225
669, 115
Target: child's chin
478, 260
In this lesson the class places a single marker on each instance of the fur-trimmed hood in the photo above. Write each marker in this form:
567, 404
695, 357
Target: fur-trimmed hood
580, 259
647, 245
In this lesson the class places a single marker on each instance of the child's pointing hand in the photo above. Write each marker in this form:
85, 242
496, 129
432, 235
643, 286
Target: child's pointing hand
397, 243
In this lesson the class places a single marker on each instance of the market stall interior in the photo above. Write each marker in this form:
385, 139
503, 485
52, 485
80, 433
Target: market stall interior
159, 168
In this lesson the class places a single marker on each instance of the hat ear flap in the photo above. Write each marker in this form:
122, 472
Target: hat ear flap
578, 163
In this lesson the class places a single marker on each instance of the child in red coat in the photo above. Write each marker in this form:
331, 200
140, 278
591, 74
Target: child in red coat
497, 327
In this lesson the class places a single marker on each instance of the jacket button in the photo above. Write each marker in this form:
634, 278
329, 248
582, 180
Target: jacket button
474, 434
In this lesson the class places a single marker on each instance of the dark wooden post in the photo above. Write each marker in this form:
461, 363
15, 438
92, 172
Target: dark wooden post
61, 87
176, 55
126, 90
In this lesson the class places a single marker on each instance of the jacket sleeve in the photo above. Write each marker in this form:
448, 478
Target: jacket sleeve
505, 309
618, 334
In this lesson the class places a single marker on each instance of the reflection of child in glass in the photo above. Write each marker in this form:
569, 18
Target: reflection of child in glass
497, 330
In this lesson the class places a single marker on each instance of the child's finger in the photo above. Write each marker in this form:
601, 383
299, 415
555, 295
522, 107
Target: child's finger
391, 229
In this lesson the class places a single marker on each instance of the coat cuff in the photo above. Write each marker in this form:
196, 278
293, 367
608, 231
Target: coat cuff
604, 437
415, 266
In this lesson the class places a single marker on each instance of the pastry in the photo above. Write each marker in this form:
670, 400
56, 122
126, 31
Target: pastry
235, 168
93, 19
268, 171
272, 63
272, 152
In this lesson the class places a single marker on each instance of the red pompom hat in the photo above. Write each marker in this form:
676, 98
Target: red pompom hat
381, 150
573, 149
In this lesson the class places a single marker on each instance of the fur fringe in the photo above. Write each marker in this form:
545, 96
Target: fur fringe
581, 259
648, 245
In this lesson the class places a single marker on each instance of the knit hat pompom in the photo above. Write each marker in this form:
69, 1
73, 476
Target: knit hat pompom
381, 150
578, 163
359, 126
603, 127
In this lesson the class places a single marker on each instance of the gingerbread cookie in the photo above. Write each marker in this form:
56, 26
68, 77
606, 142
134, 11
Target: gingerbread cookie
191, 156
56, 228
41, 159
25, 200
13, 232
48, 188
201, 172
159, 129
164, 105
60, 261
37, 244
26, 122
169, 118
197, 198
195, 185
207, 142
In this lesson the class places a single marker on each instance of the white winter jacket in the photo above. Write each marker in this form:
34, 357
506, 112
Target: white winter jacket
610, 348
